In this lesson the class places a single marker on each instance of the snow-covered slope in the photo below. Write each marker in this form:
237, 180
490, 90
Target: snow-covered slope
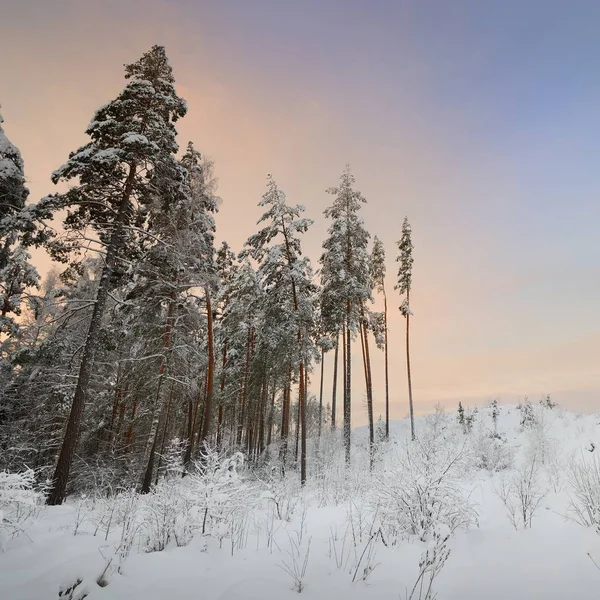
348, 534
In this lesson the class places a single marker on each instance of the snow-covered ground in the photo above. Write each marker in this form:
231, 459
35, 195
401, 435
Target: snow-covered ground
347, 534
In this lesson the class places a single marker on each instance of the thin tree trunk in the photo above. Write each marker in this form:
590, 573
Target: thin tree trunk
348, 390
221, 388
387, 379
129, 434
60, 477
191, 430
369, 396
298, 423
285, 416
244, 390
159, 403
271, 416
207, 418
321, 391
410, 398
335, 378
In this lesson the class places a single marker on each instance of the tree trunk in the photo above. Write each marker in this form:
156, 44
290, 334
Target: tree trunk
335, 378
129, 434
410, 398
285, 416
206, 420
321, 391
387, 380
271, 415
60, 477
348, 388
159, 403
303, 423
244, 390
298, 409
369, 396
191, 429
221, 388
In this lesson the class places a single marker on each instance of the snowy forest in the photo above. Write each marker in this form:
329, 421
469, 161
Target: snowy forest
160, 392
146, 342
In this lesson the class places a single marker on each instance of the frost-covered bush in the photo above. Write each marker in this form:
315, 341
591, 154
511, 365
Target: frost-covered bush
220, 500
522, 494
18, 502
490, 451
332, 479
166, 517
283, 494
422, 488
584, 479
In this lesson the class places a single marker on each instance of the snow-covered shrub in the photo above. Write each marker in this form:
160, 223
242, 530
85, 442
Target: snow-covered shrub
18, 502
166, 517
174, 457
422, 489
522, 494
490, 451
125, 514
584, 479
219, 499
335, 483
282, 493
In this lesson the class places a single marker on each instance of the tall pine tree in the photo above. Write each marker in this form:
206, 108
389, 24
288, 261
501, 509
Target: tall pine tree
378, 277
345, 277
403, 285
128, 162
286, 276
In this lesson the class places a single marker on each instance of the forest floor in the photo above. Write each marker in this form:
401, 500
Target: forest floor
347, 534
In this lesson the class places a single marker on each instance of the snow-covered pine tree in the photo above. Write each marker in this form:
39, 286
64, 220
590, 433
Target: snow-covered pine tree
181, 260
403, 285
128, 163
345, 277
377, 265
226, 269
287, 281
495, 415
16, 272
241, 301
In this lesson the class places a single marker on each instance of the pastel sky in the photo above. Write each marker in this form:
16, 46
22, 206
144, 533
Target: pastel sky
478, 120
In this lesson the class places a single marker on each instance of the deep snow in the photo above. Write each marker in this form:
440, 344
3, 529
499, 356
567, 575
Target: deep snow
491, 560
